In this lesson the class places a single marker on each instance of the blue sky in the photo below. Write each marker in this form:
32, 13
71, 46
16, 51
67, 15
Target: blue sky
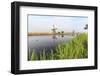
40, 23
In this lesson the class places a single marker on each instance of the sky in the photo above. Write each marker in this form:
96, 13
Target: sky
42, 23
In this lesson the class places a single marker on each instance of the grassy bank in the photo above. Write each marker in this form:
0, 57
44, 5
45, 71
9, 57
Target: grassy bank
75, 49
47, 33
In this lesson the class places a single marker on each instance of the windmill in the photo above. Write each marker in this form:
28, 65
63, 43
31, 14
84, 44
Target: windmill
54, 30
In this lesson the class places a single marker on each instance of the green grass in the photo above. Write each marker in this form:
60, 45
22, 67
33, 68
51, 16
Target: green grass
77, 48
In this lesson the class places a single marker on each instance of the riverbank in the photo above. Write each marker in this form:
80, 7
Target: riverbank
46, 33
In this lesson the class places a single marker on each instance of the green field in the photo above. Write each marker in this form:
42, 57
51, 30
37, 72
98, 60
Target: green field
77, 48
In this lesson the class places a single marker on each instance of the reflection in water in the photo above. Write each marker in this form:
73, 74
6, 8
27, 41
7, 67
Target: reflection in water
62, 35
55, 36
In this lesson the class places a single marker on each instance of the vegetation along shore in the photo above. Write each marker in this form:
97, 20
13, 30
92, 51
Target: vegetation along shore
75, 49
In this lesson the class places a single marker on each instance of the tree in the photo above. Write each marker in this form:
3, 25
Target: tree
62, 32
86, 27
58, 32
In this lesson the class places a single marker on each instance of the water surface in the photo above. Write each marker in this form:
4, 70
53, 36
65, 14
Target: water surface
39, 43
